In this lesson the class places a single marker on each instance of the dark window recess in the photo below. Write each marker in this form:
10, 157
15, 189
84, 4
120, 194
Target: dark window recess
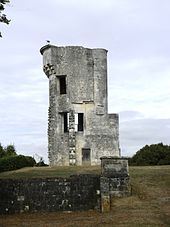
85, 156
62, 85
80, 121
65, 122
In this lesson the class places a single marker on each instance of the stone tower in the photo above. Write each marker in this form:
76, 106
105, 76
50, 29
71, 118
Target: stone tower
80, 129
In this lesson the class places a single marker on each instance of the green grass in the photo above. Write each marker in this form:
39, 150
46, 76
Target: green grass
148, 206
59, 171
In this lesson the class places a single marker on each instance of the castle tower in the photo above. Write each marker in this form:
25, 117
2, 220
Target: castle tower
80, 129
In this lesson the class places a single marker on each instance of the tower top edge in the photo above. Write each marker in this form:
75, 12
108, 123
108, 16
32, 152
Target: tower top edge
42, 49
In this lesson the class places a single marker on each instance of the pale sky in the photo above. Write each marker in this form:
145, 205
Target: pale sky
137, 37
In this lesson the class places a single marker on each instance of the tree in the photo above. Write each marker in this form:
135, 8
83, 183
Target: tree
9, 160
3, 18
16, 162
2, 152
10, 150
7, 151
155, 154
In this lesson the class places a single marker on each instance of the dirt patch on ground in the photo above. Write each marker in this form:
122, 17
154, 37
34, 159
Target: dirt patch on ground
59, 219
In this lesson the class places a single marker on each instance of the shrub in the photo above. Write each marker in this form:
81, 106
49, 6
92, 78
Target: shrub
10, 150
155, 154
2, 152
7, 151
16, 162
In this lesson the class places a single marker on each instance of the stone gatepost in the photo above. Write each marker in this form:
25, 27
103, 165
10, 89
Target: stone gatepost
114, 180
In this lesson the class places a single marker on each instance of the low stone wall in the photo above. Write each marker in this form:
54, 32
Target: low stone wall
79, 192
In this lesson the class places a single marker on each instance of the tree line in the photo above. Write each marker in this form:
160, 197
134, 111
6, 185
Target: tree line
9, 160
154, 154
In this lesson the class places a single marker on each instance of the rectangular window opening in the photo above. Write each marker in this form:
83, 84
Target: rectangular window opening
80, 121
66, 121
62, 81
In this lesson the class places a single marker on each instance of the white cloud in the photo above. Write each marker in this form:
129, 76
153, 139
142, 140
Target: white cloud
141, 85
134, 134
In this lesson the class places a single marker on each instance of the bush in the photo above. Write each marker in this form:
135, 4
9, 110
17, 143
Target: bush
7, 151
2, 152
10, 150
155, 154
16, 162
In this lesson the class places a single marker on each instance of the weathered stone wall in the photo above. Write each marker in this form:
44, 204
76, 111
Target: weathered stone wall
49, 194
114, 180
78, 192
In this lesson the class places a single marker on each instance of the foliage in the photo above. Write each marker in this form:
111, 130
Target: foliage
2, 152
3, 18
10, 150
16, 162
7, 151
155, 154
9, 160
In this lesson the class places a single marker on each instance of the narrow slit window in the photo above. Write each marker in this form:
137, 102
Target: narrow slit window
62, 81
65, 122
80, 121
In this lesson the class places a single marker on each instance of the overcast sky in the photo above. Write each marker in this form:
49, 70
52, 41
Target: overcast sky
137, 37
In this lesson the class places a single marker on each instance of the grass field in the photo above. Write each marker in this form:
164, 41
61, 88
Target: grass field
148, 206
59, 171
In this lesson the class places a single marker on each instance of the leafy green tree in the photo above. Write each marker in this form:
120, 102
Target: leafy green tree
155, 154
16, 162
10, 150
2, 152
9, 160
3, 18
7, 151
